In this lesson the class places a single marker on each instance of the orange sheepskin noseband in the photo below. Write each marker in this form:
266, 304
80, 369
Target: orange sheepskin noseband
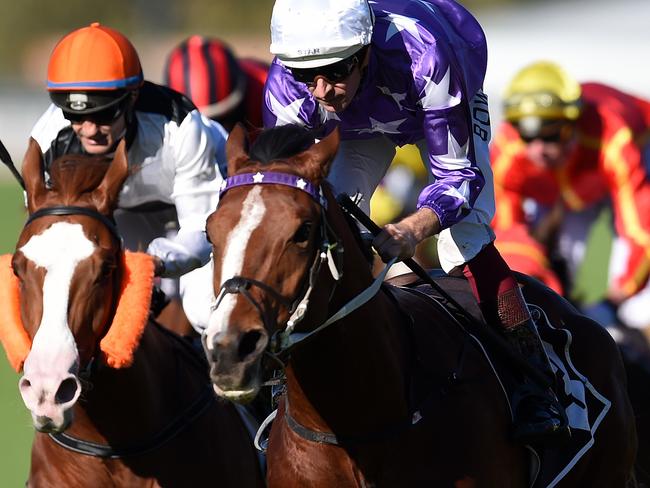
123, 336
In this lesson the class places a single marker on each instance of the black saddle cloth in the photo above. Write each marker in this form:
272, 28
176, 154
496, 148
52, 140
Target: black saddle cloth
584, 404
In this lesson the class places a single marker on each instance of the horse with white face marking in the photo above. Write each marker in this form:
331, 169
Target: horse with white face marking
116, 400
385, 387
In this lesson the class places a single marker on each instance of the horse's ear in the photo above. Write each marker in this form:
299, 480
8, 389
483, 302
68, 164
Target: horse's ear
237, 148
32, 170
105, 196
317, 160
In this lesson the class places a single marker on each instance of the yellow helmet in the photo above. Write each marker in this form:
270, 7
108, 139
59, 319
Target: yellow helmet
542, 90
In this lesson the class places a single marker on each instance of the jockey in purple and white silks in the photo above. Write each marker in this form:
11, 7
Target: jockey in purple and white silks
425, 72
393, 72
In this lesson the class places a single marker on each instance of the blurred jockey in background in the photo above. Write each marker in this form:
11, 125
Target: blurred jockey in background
525, 254
566, 151
397, 196
225, 89
100, 97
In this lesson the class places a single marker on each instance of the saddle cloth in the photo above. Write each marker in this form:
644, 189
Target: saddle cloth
584, 405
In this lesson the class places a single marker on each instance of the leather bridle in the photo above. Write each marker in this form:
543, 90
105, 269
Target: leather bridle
178, 424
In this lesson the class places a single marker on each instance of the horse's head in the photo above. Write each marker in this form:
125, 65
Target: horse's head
265, 235
67, 268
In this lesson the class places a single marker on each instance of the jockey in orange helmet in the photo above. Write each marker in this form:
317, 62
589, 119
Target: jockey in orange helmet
99, 97
226, 89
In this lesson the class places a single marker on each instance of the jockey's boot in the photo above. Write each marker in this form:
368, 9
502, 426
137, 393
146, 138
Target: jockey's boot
538, 416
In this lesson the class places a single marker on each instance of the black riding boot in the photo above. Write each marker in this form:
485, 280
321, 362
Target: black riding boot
538, 416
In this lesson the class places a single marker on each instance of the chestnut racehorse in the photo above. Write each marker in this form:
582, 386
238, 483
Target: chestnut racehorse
116, 401
291, 279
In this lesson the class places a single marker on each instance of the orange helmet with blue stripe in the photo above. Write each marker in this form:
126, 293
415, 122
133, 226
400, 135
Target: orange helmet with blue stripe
92, 68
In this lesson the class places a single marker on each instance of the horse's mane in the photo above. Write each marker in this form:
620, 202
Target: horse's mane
74, 174
281, 142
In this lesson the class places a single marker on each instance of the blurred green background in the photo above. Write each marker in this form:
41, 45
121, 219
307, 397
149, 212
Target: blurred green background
27, 21
16, 429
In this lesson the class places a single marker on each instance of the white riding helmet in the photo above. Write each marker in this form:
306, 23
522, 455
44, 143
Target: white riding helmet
313, 33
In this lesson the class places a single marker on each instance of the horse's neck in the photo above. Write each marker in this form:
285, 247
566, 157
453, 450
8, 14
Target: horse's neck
132, 404
355, 364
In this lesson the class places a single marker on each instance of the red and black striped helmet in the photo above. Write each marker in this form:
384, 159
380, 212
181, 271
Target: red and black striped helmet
206, 71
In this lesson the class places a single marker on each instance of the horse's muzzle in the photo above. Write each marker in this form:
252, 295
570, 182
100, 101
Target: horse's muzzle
234, 360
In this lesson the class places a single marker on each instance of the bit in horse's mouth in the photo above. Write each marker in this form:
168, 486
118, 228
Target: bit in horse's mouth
238, 396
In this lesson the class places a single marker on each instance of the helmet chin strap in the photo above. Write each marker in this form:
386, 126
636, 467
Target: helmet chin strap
111, 151
129, 131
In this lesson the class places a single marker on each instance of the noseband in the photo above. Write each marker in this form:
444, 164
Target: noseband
285, 339
242, 285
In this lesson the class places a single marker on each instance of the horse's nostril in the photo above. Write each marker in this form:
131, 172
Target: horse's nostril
67, 391
248, 343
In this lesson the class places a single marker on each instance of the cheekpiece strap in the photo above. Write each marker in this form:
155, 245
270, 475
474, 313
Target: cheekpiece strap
270, 177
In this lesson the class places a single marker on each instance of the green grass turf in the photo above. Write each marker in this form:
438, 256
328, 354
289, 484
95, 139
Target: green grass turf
16, 429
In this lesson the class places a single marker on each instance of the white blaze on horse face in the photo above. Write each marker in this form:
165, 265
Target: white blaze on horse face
58, 249
252, 214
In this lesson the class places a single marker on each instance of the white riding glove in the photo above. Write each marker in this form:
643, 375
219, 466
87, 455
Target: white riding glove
182, 253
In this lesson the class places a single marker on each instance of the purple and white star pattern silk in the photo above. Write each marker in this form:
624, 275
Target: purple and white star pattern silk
427, 61
274, 178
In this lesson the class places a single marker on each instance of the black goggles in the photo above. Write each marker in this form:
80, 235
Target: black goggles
102, 117
551, 137
551, 131
335, 72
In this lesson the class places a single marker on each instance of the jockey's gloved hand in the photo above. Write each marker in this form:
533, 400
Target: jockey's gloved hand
399, 240
176, 258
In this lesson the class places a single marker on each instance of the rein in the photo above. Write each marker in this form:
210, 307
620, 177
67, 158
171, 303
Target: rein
175, 427
280, 343
284, 341
178, 424
466, 320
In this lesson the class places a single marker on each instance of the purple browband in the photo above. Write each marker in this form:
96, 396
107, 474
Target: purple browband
269, 177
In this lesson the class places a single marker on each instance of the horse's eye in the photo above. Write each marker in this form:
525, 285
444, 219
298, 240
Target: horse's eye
302, 234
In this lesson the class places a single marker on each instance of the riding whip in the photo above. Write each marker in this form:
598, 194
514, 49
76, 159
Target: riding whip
6, 159
486, 334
